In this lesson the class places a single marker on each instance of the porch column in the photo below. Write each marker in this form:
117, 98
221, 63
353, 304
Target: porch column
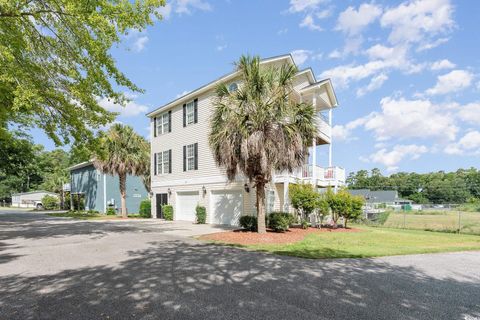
286, 199
314, 148
330, 145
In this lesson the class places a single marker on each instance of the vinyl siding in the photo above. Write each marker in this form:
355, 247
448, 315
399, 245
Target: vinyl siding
208, 174
181, 136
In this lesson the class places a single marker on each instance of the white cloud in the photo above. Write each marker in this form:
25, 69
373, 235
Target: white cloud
374, 84
470, 113
453, 81
140, 43
442, 64
221, 47
382, 60
131, 109
304, 5
432, 44
182, 94
403, 119
470, 141
165, 11
312, 10
468, 144
344, 132
418, 21
391, 158
301, 55
352, 21
309, 23
187, 6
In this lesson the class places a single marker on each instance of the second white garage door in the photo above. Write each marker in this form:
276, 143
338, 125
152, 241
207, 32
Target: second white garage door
226, 206
186, 204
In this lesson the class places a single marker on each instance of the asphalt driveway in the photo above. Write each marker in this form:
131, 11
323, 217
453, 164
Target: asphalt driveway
54, 268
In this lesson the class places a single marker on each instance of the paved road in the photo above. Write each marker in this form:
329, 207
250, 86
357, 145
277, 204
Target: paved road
53, 268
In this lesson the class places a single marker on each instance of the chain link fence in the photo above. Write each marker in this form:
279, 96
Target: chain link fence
442, 218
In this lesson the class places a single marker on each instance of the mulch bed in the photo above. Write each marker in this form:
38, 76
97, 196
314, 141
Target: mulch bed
242, 237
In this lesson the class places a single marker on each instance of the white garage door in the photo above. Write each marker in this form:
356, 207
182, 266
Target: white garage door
186, 204
226, 206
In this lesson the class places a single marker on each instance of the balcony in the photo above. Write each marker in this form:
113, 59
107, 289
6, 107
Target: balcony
324, 130
329, 176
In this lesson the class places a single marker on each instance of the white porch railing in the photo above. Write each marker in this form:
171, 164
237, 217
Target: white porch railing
324, 175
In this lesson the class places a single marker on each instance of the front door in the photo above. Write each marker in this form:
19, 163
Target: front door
161, 199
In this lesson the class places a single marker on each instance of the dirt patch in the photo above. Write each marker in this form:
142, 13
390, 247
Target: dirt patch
242, 237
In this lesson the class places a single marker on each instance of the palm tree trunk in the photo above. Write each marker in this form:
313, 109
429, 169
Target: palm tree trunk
123, 193
261, 208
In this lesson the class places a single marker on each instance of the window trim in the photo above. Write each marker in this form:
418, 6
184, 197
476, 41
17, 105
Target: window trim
163, 160
163, 124
190, 112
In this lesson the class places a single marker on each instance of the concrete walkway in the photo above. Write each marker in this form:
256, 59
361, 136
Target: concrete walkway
53, 268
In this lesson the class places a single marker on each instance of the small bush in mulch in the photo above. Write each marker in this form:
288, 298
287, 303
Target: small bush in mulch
248, 223
242, 237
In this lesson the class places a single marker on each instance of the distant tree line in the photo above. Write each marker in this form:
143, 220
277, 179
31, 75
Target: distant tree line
25, 166
435, 187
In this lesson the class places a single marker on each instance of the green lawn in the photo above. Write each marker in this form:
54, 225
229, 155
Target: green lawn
373, 242
436, 220
91, 216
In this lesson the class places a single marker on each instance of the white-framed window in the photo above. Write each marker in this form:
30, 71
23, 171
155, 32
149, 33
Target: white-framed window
191, 157
163, 162
190, 113
163, 123
233, 87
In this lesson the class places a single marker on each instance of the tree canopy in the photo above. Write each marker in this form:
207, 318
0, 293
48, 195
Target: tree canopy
433, 187
55, 62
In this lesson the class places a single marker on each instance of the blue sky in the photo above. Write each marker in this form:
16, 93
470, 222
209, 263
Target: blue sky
406, 73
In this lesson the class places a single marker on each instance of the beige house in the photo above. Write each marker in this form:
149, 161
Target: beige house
184, 172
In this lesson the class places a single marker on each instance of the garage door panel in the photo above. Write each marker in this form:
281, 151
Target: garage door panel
186, 204
226, 207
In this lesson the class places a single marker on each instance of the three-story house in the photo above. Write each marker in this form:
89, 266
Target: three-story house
184, 173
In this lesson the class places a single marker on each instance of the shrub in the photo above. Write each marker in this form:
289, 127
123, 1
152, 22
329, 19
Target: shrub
167, 212
201, 213
145, 210
354, 210
50, 202
304, 199
248, 223
280, 221
305, 224
111, 211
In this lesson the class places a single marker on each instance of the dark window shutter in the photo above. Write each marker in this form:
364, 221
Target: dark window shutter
184, 115
170, 161
184, 158
195, 110
195, 153
155, 126
170, 121
155, 163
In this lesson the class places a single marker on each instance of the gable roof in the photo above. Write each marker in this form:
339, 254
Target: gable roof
226, 77
376, 196
31, 192
80, 165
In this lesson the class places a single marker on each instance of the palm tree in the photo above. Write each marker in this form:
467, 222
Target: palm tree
261, 126
123, 152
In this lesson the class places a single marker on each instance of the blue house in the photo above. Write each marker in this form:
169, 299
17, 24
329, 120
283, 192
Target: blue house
98, 191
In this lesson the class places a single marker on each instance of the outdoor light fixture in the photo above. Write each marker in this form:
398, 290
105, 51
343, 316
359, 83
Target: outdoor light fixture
169, 191
204, 191
246, 187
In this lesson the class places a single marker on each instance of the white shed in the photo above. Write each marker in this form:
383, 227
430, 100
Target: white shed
30, 199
